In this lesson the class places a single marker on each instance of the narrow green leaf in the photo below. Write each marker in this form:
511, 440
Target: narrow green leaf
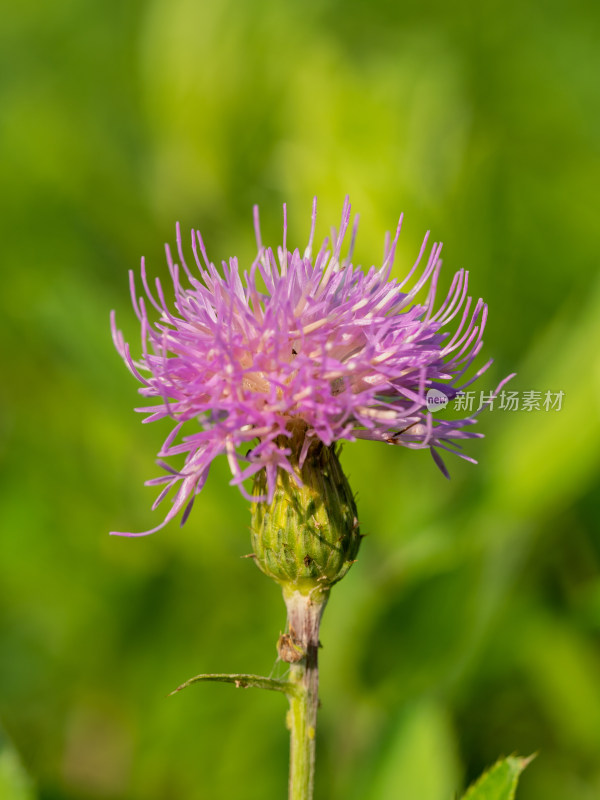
499, 782
243, 681
15, 784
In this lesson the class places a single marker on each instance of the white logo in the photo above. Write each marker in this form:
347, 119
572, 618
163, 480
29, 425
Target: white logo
436, 400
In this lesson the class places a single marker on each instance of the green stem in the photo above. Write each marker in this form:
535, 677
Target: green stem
304, 618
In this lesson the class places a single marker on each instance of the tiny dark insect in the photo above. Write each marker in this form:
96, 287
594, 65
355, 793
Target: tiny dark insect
392, 439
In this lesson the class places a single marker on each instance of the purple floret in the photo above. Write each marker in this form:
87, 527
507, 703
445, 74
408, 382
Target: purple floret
245, 360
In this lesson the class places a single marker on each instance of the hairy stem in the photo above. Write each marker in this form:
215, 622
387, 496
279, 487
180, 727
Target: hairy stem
304, 619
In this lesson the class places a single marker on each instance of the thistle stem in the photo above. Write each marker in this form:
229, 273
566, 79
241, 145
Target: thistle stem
304, 619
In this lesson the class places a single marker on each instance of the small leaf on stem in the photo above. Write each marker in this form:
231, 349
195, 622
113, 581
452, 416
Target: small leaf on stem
243, 681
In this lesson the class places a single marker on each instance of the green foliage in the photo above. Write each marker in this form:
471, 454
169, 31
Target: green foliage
15, 784
420, 758
499, 782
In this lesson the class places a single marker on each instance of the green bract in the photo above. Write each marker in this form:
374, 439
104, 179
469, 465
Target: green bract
308, 536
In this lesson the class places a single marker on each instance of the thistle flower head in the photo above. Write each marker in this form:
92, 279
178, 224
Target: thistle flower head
299, 349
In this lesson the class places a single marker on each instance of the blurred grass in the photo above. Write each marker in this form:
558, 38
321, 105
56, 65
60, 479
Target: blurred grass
14, 783
470, 626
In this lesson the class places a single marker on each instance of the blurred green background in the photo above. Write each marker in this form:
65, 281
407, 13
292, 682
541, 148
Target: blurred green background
470, 626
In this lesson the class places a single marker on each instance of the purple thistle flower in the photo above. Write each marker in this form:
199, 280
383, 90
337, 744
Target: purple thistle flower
299, 344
